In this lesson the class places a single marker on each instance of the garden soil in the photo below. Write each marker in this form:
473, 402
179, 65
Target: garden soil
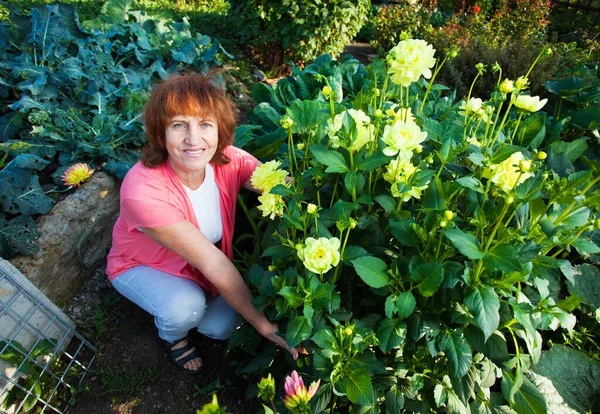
131, 373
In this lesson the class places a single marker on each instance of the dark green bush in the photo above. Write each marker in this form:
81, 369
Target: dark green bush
277, 32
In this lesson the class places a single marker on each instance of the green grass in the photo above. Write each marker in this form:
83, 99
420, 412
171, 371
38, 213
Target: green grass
121, 383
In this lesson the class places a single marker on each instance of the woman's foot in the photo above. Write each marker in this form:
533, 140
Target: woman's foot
184, 355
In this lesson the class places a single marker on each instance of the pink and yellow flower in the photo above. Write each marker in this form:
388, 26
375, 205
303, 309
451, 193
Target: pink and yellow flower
297, 397
76, 174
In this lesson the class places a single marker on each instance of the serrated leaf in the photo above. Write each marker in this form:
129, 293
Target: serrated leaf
458, 352
428, 277
503, 257
527, 400
358, 387
372, 271
334, 161
394, 400
586, 283
391, 334
466, 243
298, 330
483, 302
405, 305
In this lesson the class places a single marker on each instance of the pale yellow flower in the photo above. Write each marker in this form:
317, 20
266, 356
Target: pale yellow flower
475, 107
320, 255
271, 205
507, 175
76, 174
403, 137
311, 208
507, 86
529, 103
363, 125
409, 60
400, 171
267, 176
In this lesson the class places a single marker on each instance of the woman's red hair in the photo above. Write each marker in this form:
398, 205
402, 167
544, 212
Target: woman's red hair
187, 95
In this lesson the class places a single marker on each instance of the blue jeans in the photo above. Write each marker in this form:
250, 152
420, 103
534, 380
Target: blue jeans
177, 304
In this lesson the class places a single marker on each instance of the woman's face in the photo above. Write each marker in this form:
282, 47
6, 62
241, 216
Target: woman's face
191, 143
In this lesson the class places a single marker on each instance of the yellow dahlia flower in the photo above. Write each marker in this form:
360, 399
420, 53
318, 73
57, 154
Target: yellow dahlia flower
271, 205
400, 171
76, 174
363, 124
507, 86
403, 137
529, 103
267, 176
507, 175
409, 60
320, 255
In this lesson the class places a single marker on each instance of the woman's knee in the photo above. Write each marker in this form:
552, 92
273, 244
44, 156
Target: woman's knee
185, 312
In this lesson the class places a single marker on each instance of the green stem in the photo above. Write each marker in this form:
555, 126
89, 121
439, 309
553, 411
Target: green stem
337, 268
570, 206
467, 104
430, 85
250, 219
516, 127
337, 179
383, 91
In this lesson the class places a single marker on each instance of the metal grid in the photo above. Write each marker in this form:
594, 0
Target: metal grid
26, 326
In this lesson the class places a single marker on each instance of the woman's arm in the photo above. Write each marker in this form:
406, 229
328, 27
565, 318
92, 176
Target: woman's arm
188, 242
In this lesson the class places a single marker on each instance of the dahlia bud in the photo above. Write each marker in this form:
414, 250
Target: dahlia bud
507, 86
443, 223
522, 82
286, 122
525, 165
449, 215
300, 146
327, 91
272, 268
378, 113
541, 155
311, 208
509, 200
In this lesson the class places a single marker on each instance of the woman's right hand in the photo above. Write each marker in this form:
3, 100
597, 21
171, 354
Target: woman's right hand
269, 331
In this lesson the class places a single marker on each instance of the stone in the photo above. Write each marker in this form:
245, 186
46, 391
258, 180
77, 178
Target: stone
75, 238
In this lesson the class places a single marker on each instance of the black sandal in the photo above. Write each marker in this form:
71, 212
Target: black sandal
175, 355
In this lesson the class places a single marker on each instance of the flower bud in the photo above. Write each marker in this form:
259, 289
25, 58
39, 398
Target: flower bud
272, 268
299, 246
266, 389
597, 223
378, 113
286, 122
452, 52
507, 86
449, 215
480, 67
348, 331
404, 35
547, 50
541, 155
496, 67
525, 165
419, 149
509, 200
376, 92
522, 82
326, 91
443, 223
311, 208
352, 223
300, 146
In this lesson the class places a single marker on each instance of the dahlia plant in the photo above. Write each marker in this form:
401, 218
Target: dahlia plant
426, 251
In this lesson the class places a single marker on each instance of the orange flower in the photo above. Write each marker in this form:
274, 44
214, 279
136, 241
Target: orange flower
76, 174
476, 9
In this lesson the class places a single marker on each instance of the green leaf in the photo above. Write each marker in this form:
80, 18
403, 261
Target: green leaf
307, 114
372, 271
36, 392
503, 153
574, 375
353, 252
587, 118
278, 251
405, 305
466, 243
458, 352
386, 201
586, 283
394, 400
334, 161
298, 330
326, 339
114, 12
532, 131
565, 87
471, 183
483, 302
293, 298
503, 257
433, 197
585, 246
358, 387
572, 150
391, 334
429, 277
527, 399
374, 161
320, 401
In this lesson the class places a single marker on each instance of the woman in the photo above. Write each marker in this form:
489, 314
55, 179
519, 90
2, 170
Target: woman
172, 242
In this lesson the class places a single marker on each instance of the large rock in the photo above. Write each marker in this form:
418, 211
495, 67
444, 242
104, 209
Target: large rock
75, 238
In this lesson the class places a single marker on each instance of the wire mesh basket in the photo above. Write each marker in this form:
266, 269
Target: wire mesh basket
43, 360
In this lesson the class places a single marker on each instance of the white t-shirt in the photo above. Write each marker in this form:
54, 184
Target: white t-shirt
206, 204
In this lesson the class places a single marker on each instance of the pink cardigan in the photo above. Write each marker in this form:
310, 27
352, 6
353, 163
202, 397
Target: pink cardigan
154, 197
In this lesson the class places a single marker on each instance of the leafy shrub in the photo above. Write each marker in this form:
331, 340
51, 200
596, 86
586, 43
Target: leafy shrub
75, 95
391, 21
277, 32
426, 275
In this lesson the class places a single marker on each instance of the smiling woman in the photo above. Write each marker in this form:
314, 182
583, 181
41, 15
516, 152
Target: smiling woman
172, 242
